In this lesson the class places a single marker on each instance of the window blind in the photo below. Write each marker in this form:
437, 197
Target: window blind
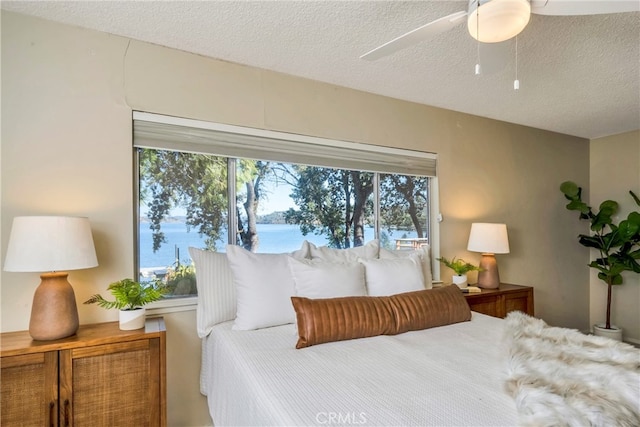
175, 133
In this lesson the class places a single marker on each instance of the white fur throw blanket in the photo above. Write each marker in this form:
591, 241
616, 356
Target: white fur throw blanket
561, 377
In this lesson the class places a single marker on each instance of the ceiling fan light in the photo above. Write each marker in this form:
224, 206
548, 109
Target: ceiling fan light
497, 20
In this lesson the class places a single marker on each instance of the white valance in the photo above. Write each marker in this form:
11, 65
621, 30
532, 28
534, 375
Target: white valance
174, 133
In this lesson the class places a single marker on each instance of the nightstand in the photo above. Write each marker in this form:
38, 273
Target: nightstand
499, 302
100, 376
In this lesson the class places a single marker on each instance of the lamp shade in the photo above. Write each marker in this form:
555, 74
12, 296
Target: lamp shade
50, 243
488, 238
497, 20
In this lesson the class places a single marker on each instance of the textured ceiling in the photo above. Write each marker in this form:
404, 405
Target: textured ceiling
579, 75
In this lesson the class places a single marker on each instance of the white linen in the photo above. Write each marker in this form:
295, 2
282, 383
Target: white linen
424, 252
316, 278
369, 250
264, 287
217, 295
217, 298
390, 276
447, 376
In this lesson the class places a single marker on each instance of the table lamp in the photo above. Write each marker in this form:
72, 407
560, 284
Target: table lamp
489, 239
50, 244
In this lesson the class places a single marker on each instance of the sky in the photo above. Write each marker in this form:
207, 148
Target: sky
277, 200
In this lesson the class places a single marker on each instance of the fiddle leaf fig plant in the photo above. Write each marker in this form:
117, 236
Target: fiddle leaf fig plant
618, 244
459, 266
129, 294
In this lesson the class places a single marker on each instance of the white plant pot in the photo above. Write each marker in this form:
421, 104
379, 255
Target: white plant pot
460, 280
614, 333
132, 319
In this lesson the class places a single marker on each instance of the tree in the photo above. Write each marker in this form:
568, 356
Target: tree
195, 182
248, 238
402, 195
332, 202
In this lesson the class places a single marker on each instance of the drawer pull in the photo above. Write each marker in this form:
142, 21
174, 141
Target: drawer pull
66, 412
51, 413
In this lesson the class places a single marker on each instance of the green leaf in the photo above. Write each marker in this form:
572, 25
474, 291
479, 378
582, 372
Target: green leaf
627, 230
603, 217
578, 205
459, 266
590, 241
129, 294
570, 189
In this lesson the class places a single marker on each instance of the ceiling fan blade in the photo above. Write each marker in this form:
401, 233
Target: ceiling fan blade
583, 7
419, 34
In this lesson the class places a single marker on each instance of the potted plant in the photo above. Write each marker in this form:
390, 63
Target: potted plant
461, 268
618, 245
130, 298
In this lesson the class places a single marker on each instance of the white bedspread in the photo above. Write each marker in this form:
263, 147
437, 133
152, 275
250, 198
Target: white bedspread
448, 376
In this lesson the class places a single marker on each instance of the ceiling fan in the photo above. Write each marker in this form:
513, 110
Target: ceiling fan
493, 21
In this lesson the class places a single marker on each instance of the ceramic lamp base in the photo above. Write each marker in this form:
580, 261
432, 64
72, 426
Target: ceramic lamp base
488, 277
54, 313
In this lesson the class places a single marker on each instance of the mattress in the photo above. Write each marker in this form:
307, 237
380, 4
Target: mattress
447, 376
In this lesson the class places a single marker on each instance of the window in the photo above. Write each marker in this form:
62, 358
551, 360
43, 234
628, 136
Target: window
197, 181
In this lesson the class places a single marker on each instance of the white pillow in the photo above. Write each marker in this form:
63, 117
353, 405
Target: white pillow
425, 257
264, 287
366, 251
322, 279
217, 296
216, 290
393, 275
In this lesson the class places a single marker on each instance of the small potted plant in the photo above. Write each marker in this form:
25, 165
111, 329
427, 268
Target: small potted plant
130, 298
461, 268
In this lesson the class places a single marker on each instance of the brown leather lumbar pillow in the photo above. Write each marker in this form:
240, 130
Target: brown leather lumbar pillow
429, 308
336, 319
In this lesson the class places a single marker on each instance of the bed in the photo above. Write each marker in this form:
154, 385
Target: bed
441, 376
454, 371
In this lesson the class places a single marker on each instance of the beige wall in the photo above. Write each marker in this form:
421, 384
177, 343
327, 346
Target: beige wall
67, 97
615, 169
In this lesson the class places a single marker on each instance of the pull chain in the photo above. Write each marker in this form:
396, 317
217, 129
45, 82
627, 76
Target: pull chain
516, 82
478, 71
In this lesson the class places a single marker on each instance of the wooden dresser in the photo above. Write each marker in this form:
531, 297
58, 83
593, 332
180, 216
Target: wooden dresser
499, 302
101, 376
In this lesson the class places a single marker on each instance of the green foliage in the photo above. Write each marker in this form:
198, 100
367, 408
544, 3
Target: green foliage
404, 199
332, 202
181, 279
129, 294
252, 174
459, 265
196, 182
618, 244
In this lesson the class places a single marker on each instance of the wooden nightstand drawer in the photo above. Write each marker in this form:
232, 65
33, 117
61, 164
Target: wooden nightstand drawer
499, 302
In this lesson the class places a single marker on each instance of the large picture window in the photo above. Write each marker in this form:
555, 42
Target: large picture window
201, 185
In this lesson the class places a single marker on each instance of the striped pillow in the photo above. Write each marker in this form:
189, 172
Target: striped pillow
216, 291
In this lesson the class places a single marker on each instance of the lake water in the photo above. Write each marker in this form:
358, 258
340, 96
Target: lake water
274, 238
